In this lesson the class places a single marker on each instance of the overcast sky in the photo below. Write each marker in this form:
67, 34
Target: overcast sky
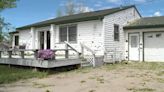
31, 11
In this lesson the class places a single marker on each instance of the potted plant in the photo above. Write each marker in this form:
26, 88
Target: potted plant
46, 54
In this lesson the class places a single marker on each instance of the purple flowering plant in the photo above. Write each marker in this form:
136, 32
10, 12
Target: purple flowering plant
46, 54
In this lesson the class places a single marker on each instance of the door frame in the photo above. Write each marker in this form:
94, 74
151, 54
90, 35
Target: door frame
138, 44
45, 39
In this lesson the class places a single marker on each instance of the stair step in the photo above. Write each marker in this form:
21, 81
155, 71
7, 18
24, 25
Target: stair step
86, 64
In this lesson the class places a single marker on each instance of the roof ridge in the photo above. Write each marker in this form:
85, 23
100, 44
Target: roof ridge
99, 10
87, 15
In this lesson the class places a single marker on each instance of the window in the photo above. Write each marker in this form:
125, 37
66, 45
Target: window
16, 40
63, 34
72, 33
134, 41
68, 33
116, 32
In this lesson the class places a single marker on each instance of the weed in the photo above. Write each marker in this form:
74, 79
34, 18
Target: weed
160, 80
12, 74
92, 90
141, 89
101, 80
83, 81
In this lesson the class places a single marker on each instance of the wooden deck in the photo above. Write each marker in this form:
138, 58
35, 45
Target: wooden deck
40, 63
22, 60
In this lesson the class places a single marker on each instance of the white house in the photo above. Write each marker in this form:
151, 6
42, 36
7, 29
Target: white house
101, 30
145, 39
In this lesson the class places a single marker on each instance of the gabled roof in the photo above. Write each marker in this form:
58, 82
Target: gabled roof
147, 22
78, 17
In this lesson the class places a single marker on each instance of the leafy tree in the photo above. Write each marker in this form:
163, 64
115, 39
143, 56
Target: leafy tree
71, 7
5, 4
59, 13
80, 7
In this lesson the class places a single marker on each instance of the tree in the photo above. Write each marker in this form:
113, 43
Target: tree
80, 7
4, 26
59, 13
70, 7
4, 4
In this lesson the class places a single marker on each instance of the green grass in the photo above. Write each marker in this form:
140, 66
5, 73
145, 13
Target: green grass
147, 66
8, 75
137, 65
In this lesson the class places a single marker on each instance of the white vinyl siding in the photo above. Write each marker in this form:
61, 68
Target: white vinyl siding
115, 49
88, 32
25, 37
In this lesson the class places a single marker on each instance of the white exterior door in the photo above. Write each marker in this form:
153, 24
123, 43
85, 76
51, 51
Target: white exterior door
134, 46
154, 46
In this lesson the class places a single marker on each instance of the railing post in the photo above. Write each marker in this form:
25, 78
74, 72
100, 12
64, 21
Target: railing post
0, 54
22, 54
78, 54
94, 60
66, 51
35, 54
82, 51
10, 54
54, 55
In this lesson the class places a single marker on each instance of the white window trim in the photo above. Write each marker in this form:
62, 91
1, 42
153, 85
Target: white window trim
67, 25
116, 40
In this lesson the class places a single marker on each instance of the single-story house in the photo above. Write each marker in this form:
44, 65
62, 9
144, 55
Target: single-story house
102, 31
145, 39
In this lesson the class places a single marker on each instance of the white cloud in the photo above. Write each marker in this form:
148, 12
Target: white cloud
98, 4
106, 7
119, 2
114, 1
87, 9
141, 1
157, 13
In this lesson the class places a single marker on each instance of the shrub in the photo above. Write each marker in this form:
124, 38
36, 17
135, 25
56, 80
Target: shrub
46, 54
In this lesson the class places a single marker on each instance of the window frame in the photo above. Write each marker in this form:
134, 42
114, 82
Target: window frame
15, 40
116, 32
60, 34
67, 33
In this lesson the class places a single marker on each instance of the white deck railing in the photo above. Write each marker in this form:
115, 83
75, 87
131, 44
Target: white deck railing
93, 58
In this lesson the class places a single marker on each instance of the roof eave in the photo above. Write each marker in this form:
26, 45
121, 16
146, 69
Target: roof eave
63, 22
143, 27
14, 32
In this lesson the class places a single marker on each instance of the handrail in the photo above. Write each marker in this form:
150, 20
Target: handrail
93, 52
69, 45
90, 50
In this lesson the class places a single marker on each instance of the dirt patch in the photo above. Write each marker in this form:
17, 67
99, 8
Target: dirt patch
109, 78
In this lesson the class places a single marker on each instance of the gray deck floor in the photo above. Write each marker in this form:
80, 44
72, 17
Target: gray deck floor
40, 63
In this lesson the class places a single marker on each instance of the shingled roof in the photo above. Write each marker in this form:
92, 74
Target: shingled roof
78, 17
147, 22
